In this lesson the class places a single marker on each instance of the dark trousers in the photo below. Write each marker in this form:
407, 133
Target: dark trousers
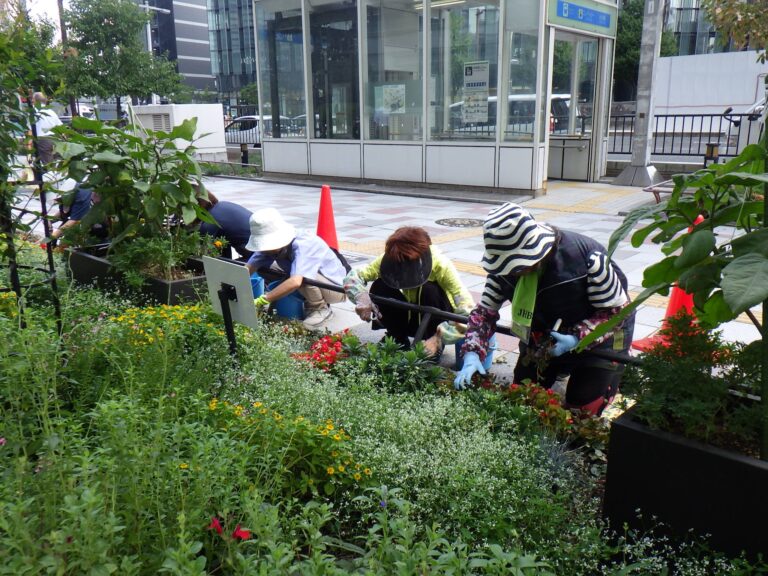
401, 323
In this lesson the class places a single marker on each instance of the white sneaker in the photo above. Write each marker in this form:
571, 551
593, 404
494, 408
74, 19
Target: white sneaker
317, 317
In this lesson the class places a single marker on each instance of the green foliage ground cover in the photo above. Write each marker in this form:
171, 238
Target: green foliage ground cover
133, 445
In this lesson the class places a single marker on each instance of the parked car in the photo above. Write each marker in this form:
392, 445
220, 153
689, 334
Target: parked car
245, 129
520, 115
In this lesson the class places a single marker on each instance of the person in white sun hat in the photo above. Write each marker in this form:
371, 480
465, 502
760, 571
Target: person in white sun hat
276, 243
561, 285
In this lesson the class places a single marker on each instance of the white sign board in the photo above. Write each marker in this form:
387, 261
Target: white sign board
218, 272
476, 88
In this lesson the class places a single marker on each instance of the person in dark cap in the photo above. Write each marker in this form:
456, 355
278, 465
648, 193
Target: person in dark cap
562, 285
411, 270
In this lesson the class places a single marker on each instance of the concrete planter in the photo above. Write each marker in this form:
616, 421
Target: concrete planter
89, 266
686, 485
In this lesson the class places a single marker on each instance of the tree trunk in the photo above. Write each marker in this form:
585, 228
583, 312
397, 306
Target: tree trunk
118, 109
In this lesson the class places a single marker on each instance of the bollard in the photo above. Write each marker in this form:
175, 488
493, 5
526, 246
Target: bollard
244, 154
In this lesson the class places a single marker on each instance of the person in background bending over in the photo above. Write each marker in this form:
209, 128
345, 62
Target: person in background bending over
232, 224
411, 270
562, 285
277, 244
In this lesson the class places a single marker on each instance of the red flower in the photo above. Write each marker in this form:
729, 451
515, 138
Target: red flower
553, 401
241, 533
215, 525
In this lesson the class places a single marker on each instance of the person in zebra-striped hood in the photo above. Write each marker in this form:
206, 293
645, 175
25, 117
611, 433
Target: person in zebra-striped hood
561, 285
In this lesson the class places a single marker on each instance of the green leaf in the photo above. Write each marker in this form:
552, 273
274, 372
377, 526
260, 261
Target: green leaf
69, 150
753, 242
153, 208
663, 272
742, 179
745, 282
696, 247
110, 157
87, 124
185, 130
715, 311
701, 278
630, 220
188, 214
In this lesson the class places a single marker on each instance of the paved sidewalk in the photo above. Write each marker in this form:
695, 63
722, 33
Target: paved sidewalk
364, 219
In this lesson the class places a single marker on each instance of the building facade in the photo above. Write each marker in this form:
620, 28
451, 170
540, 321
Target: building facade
694, 34
445, 92
180, 30
233, 45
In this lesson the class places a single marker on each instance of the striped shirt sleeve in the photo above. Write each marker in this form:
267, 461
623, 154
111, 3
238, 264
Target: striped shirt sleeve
493, 296
604, 289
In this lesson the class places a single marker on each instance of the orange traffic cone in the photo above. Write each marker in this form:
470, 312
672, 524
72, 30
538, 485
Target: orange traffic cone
679, 300
326, 225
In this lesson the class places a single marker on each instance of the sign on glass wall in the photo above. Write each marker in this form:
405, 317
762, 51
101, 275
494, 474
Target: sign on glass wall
475, 107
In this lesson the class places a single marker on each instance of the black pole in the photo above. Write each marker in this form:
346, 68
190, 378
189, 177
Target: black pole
244, 154
39, 172
226, 294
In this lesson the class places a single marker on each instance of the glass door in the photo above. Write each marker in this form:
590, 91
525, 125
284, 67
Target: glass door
572, 103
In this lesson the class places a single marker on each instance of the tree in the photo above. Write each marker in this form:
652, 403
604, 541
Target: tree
108, 57
746, 23
628, 36
249, 94
27, 64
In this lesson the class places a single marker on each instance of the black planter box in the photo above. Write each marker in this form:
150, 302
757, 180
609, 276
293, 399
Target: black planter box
685, 485
88, 266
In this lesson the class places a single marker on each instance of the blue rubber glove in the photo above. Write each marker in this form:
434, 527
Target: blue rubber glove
563, 343
471, 365
261, 301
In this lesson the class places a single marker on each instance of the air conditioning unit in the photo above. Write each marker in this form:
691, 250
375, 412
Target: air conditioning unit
210, 121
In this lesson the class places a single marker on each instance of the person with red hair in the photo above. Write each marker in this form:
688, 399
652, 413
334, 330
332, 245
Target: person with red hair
412, 270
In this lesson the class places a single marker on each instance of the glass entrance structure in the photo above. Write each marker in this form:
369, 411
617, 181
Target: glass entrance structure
453, 92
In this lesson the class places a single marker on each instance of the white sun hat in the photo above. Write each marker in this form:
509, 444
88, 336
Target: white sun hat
269, 231
514, 241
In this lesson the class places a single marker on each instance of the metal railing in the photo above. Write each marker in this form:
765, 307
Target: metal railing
687, 135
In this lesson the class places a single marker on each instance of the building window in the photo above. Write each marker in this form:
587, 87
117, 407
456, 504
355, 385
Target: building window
464, 69
393, 105
282, 67
521, 30
334, 60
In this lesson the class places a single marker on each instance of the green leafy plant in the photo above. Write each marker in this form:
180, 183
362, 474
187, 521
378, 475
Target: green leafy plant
727, 275
146, 185
687, 384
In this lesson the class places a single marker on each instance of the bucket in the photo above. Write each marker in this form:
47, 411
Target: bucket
257, 283
291, 306
488, 357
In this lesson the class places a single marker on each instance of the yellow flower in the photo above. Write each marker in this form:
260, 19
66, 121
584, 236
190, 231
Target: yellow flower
357, 466
257, 404
324, 432
334, 454
357, 476
329, 426
212, 404
183, 465
263, 411
336, 437
367, 471
341, 468
218, 243
330, 470
277, 416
